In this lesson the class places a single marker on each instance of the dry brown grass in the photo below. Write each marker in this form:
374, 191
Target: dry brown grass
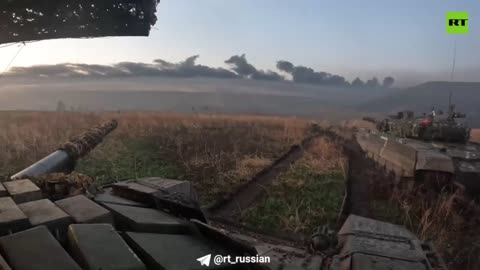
324, 156
216, 152
450, 223
447, 219
26, 137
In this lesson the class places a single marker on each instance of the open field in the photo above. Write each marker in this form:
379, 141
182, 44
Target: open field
217, 153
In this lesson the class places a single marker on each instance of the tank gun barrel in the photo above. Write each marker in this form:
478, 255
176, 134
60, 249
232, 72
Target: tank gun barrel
64, 158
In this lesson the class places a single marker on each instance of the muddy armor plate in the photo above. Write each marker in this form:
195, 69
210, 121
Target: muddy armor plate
407, 157
371, 244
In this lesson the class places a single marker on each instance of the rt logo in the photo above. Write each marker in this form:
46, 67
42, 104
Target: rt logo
457, 22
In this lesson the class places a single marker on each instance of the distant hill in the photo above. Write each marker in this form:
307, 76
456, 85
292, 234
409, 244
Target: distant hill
421, 98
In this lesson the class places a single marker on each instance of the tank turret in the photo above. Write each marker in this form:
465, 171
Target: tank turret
434, 126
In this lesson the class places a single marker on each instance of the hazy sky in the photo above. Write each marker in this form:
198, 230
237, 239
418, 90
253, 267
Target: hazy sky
363, 38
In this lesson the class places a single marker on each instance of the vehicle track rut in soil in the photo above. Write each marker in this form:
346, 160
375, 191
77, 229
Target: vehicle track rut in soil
359, 171
251, 191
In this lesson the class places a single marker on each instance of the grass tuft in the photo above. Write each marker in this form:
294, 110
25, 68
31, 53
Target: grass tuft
309, 194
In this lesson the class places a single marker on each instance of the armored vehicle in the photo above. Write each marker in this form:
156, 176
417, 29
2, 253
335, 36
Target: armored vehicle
433, 147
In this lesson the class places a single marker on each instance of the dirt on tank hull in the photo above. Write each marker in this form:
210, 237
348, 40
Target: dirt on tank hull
440, 164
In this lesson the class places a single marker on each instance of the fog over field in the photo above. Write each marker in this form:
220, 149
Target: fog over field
184, 95
233, 96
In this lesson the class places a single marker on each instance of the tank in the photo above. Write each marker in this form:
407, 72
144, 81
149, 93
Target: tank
432, 148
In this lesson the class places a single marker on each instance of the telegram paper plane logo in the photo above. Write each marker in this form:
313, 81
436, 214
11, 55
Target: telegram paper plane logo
205, 260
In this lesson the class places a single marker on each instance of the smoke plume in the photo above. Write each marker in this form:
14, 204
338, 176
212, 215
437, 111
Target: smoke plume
246, 70
239, 68
303, 74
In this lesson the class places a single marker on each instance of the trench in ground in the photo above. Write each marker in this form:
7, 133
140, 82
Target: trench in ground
301, 191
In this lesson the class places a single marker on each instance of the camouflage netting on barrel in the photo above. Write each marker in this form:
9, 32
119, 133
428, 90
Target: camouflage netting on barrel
56, 186
25, 20
79, 146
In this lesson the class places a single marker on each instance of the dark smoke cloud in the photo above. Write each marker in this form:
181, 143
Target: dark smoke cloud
358, 83
246, 70
388, 82
373, 83
187, 68
164, 64
240, 68
286, 66
190, 69
138, 69
95, 70
59, 70
303, 74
